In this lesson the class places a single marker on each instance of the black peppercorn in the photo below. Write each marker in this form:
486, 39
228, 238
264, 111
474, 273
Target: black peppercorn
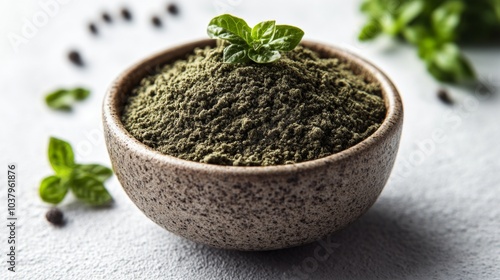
93, 28
126, 14
156, 21
173, 9
106, 17
55, 216
445, 97
75, 57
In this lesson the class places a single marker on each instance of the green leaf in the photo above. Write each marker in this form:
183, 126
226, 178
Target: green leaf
427, 48
496, 7
264, 31
447, 56
408, 12
264, 55
415, 34
236, 54
373, 8
261, 44
90, 190
435, 26
446, 63
53, 190
80, 93
85, 180
286, 38
60, 100
61, 156
230, 28
100, 172
389, 24
63, 99
371, 30
450, 60
395, 23
446, 18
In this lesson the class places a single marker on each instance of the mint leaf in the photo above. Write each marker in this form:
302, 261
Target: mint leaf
408, 12
446, 18
52, 189
371, 30
265, 56
286, 38
496, 7
389, 24
90, 190
415, 34
61, 156
64, 99
60, 100
264, 31
236, 54
445, 61
450, 60
101, 173
85, 180
80, 93
230, 28
374, 8
262, 43
430, 25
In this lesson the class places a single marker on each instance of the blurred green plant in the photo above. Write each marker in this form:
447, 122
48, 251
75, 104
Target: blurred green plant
436, 27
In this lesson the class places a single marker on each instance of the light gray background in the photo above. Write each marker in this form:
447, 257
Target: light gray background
437, 218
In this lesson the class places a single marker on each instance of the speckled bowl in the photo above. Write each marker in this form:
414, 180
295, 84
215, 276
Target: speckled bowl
252, 208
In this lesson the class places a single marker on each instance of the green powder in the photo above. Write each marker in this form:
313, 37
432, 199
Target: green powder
299, 108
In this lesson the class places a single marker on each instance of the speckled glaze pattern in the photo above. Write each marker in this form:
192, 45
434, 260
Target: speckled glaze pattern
252, 208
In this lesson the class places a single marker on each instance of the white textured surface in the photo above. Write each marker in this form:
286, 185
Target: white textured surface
439, 219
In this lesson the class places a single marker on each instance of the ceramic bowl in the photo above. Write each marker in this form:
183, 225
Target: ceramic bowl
252, 208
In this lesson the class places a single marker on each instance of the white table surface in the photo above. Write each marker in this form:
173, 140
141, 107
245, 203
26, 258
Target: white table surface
437, 218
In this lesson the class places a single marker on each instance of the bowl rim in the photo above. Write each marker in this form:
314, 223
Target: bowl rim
392, 99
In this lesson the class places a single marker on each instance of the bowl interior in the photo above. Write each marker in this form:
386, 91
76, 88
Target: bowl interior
116, 98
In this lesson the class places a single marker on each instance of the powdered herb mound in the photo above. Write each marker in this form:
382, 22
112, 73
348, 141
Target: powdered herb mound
299, 108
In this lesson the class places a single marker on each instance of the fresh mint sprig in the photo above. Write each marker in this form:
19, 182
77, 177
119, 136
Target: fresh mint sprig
86, 181
262, 44
436, 28
64, 99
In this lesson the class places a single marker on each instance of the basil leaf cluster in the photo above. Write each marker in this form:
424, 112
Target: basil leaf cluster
436, 27
64, 99
86, 181
262, 44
